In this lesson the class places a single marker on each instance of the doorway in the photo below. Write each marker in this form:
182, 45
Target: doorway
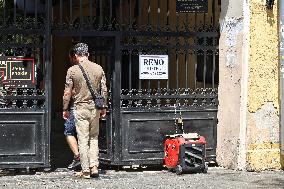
101, 51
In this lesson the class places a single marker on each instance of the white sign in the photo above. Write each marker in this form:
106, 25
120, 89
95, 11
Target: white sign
153, 66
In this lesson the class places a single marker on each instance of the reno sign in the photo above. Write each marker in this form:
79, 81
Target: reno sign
153, 66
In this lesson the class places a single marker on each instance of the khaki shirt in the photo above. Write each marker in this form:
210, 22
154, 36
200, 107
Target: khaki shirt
76, 85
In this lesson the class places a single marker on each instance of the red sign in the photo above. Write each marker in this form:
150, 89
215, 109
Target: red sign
17, 72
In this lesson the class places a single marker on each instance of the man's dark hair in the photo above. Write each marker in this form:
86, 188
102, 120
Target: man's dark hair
81, 49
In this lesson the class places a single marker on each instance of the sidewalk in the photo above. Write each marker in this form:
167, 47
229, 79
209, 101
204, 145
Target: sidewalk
215, 178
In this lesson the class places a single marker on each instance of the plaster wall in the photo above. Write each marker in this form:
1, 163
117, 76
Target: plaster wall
263, 149
230, 83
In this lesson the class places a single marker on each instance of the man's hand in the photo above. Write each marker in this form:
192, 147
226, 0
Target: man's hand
66, 114
103, 113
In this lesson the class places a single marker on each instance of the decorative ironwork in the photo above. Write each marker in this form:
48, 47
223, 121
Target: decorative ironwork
22, 35
21, 17
22, 99
135, 98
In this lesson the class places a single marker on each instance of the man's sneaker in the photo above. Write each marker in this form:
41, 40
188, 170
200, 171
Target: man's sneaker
75, 163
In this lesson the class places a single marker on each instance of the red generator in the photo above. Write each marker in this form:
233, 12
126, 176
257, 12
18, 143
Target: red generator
185, 153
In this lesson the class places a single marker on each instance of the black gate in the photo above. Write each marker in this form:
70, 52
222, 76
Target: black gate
143, 106
24, 84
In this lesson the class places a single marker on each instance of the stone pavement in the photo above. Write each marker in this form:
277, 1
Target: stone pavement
136, 179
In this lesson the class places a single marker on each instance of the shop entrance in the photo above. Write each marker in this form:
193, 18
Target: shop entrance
175, 43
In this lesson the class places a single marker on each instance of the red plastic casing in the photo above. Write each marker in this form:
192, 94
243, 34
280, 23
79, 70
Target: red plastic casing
172, 146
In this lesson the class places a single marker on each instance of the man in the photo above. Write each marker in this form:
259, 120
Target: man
86, 115
69, 126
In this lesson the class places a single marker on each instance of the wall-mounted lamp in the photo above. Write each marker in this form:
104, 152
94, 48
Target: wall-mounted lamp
269, 4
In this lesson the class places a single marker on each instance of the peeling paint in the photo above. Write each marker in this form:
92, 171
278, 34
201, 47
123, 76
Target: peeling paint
232, 27
263, 126
231, 60
263, 149
267, 120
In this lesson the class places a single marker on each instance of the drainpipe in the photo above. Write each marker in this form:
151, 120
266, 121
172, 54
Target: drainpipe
281, 37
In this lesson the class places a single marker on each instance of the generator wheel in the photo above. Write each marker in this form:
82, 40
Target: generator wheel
178, 170
171, 170
205, 168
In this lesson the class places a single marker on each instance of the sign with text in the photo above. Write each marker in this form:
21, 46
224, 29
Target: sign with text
192, 6
153, 66
17, 72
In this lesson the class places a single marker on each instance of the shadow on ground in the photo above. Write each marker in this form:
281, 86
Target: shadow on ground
60, 154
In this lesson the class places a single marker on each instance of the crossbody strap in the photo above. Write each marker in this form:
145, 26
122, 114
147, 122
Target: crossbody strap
88, 82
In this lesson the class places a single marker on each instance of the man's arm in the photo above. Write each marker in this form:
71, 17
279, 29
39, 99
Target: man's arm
104, 93
67, 93
66, 98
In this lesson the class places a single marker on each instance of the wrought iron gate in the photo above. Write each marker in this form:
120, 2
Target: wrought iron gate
24, 84
141, 111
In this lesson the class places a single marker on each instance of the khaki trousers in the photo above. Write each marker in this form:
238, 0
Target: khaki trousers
87, 127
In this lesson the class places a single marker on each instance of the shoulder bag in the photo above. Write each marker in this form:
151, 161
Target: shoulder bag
99, 100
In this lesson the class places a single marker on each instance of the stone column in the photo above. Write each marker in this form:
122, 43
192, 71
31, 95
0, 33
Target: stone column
263, 125
232, 85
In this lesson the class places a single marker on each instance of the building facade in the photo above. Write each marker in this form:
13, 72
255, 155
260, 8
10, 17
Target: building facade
221, 77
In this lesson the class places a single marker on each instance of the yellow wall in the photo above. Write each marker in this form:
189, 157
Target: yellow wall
263, 66
263, 151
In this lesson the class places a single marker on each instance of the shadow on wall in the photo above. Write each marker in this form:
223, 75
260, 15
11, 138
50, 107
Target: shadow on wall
282, 161
271, 17
224, 8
